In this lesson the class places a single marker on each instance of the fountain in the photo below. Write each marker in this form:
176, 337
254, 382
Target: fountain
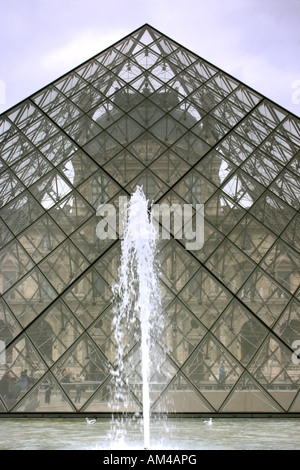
138, 299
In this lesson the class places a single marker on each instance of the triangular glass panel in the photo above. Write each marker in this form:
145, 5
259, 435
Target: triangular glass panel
182, 397
106, 113
48, 98
107, 400
252, 237
215, 167
98, 189
235, 148
230, 265
102, 148
162, 371
58, 148
5, 234
14, 148
102, 331
295, 406
146, 114
163, 70
77, 168
194, 188
248, 397
147, 35
45, 397
21, 212
190, 147
128, 70
71, 212
31, 168
283, 263
86, 240
273, 212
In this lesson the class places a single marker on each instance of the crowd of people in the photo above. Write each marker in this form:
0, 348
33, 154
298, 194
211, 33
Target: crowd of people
12, 386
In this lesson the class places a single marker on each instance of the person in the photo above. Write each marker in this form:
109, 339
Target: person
78, 381
15, 390
48, 393
222, 373
23, 380
5, 385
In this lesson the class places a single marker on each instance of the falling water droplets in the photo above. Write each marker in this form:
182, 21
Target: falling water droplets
137, 296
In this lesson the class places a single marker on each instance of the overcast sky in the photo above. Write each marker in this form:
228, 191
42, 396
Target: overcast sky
256, 41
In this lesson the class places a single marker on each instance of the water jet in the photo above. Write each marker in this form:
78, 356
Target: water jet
137, 297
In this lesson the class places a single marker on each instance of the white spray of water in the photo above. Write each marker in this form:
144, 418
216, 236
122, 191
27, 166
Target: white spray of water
138, 293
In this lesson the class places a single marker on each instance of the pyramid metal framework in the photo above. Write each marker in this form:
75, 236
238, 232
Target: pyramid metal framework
147, 111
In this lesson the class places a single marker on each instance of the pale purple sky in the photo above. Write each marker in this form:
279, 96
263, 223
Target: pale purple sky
256, 41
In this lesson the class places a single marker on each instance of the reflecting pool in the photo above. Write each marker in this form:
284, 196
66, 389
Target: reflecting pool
179, 434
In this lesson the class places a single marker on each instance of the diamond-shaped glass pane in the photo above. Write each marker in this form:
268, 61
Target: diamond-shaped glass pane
21, 212
252, 238
50, 189
124, 167
71, 212
182, 332
10, 187
31, 168
170, 167
63, 265
81, 370
15, 263
230, 265
205, 297
273, 212
283, 263
147, 148
177, 266
212, 368
98, 189
29, 297
88, 297
265, 297
239, 332
41, 237
54, 331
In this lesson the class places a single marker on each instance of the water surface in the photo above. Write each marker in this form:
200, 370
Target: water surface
179, 434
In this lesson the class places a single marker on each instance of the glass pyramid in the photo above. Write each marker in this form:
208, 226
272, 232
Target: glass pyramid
148, 112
